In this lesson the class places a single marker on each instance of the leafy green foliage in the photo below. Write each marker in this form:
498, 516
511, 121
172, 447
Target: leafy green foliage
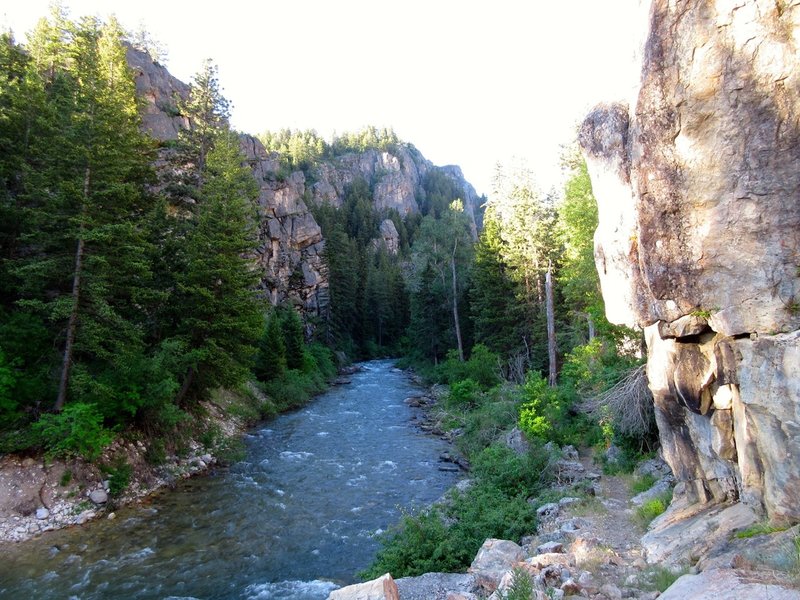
447, 537
77, 431
521, 587
648, 511
643, 483
119, 476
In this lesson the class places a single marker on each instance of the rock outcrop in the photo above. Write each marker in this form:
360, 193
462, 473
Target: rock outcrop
698, 188
290, 240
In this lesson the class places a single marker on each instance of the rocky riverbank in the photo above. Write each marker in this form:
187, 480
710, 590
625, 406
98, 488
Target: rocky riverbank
39, 495
590, 546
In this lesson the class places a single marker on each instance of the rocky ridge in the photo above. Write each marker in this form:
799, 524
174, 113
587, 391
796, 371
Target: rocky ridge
290, 242
698, 185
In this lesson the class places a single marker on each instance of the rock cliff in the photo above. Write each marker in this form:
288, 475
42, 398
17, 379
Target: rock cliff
698, 187
290, 240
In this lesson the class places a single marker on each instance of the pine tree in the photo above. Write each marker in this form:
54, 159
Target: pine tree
493, 305
82, 196
270, 361
220, 315
293, 337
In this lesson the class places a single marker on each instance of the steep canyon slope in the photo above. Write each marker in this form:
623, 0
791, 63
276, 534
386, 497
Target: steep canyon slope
698, 186
290, 245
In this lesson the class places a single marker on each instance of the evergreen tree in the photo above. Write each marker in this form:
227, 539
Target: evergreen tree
270, 361
493, 305
294, 339
220, 316
82, 196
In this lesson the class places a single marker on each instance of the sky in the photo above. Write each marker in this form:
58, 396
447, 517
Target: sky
471, 83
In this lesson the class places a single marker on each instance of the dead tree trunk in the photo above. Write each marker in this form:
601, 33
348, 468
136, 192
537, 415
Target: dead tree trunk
455, 302
72, 324
551, 327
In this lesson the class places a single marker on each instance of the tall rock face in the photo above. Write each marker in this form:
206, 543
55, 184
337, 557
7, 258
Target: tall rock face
290, 242
396, 176
698, 188
289, 239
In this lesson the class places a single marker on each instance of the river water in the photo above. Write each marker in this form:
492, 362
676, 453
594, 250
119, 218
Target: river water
293, 521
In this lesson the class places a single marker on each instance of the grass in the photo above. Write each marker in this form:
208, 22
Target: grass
648, 511
659, 578
758, 529
642, 484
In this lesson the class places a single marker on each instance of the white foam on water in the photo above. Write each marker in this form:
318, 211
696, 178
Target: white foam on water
356, 480
290, 590
289, 455
323, 433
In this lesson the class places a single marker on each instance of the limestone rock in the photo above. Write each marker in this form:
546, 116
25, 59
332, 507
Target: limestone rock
390, 239
550, 548
697, 179
42, 513
690, 530
726, 583
383, 588
437, 586
662, 486
494, 558
98, 496
516, 441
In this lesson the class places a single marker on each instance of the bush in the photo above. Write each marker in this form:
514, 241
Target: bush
446, 538
500, 467
482, 367
643, 483
483, 425
119, 476
521, 587
75, 431
650, 510
463, 394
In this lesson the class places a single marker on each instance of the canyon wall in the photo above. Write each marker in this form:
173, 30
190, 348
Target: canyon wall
697, 179
290, 242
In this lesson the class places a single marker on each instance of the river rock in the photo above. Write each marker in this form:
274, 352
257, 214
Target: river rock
98, 496
494, 558
382, 588
716, 584
42, 513
696, 176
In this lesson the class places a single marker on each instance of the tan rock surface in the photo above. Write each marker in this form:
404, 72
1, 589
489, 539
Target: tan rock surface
698, 187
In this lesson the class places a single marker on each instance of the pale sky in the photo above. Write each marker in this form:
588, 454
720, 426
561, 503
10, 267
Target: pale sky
471, 83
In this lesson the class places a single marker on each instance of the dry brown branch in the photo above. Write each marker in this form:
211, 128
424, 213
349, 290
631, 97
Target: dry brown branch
628, 404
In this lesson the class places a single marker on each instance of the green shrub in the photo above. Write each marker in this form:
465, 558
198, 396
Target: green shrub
119, 476
501, 468
521, 587
446, 538
75, 431
484, 424
66, 477
463, 394
643, 483
482, 368
156, 453
651, 509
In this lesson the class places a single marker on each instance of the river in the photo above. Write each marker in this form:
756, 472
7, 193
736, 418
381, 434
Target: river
293, 521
